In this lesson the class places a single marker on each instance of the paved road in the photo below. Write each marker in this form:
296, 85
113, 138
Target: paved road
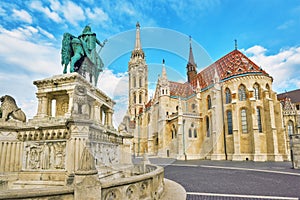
233, 180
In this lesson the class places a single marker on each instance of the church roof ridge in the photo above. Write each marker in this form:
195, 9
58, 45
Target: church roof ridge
232, 64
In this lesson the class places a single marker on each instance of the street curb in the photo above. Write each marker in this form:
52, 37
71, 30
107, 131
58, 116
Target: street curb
173, 191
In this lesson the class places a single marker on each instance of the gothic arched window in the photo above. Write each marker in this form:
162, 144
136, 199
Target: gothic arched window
208, 102
290, 128
140, 98
229, 122
242, 93
134, 97
190, 133
244, 120
227, 96
140, 82
256, 91
259, 119
133, 81
268, 89
207, 127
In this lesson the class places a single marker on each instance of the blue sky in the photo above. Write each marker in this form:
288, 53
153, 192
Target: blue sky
268, 32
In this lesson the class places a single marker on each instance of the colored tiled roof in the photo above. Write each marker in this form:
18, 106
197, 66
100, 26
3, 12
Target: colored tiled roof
180, 89
233, 64
293, 95
148, 104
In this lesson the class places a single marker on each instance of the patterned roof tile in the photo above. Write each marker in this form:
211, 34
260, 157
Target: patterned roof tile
233, 64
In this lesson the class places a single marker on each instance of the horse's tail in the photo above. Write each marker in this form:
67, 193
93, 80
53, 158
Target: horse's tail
66, 50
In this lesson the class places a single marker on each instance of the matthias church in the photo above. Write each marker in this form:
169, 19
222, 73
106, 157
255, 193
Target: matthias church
226, 111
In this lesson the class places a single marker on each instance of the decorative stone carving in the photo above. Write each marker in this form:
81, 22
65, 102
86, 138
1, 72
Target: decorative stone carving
9, 108
45, 156
112, 194
87, 162
107, 154
43, 135
131, 192
80, 105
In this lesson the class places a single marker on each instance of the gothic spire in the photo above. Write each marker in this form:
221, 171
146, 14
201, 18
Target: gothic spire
191, 55
235, 44
137, 37
138, 51
164, 73
191, 65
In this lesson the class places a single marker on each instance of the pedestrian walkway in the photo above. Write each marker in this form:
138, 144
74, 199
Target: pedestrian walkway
206, 179
211, 196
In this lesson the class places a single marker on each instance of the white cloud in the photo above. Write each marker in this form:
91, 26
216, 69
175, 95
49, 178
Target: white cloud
113, 84
97, 14
37, 5
286, 25
36, 58
55, 5
46, 33
126, 8
116, 87
283, 66
21, 89
194, 8
22, 15
2, 11
73, 13
20, 33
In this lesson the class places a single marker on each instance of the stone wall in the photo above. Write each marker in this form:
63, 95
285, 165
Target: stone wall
295, 147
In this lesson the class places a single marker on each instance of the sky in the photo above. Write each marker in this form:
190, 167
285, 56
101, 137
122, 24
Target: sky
268, 32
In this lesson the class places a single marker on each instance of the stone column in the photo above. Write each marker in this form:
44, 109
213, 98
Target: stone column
217, 124
3, 152
97, 112
236, 132
42, 105
7, 159
109, 117
13, 155
70, 159
277, 157
18, 160
70, 94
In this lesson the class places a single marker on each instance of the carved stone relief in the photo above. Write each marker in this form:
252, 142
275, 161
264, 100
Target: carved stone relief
44, 155
80, 105
105, 153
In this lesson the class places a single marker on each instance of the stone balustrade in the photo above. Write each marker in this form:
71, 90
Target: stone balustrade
148, 185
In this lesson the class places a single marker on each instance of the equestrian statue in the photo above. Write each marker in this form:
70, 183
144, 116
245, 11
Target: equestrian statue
80, 52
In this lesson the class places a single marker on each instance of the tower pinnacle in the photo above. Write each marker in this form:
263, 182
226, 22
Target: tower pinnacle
137, 52
191, 55
191, 65
137, 37
235, 44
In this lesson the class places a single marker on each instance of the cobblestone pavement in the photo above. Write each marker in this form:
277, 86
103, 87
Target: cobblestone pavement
226, 180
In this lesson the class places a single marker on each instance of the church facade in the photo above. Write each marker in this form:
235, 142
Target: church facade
227, 111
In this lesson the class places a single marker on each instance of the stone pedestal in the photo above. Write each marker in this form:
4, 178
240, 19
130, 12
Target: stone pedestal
87, 186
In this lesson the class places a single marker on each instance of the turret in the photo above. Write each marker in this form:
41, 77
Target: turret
163, 82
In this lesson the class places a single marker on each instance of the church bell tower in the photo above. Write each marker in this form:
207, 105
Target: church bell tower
138, 77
